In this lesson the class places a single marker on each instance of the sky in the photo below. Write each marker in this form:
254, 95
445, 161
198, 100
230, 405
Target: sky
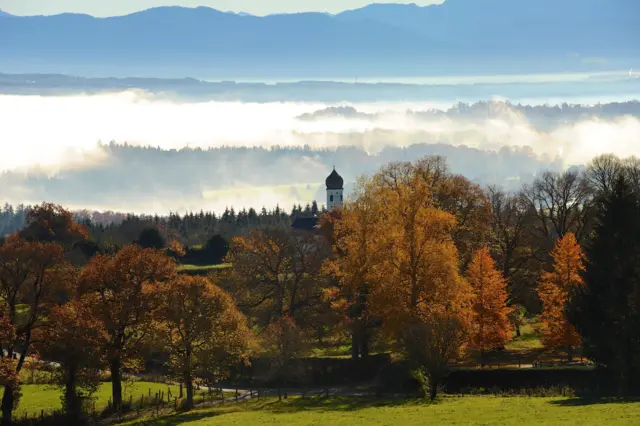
121, 7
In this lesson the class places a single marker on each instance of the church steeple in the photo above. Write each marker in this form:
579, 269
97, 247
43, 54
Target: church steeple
335, 189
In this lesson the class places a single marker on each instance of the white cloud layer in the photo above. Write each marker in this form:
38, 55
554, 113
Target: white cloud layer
54, 132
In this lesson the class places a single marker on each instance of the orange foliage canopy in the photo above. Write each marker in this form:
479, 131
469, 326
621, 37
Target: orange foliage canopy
554, 293
490, 326
356, 254
51, 223
125, 288
395, 241
418, 274
75, 340
277, 273
32, 276
204, 332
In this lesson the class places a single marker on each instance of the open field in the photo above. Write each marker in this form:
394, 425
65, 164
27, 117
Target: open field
203, 268
36, 398
528, 340
475, 410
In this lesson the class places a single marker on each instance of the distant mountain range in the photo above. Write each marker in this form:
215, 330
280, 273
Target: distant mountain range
458, 36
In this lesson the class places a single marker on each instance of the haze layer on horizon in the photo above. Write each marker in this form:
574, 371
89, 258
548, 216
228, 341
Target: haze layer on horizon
101, 8
52, 151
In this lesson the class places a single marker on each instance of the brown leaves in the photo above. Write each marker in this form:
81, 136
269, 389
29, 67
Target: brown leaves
203, 330
554, 292
394, 241
277, 272
75, 340
124, 288
32, 277
490, 325
52, 223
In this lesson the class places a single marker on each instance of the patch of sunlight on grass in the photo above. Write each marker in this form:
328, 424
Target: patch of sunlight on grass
472, 410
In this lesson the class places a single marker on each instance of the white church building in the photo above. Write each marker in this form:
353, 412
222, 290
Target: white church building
335, 190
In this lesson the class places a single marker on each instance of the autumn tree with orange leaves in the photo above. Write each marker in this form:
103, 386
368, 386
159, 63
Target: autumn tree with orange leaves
282, 343
353, 264
411, 267
32, 276
125, 288
418, 275
76, 341
421, 297
9, 377
52, 223
490, 324
276, 273
202, 329
554, 290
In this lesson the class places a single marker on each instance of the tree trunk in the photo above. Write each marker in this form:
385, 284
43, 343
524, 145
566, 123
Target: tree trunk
364, 343
570, 354
71, 400
517, 330
433, 389
188, 381
355, 349
482, 358
116, 383
7, 405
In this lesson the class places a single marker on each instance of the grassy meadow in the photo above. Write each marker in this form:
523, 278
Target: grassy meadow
202, 269
36, 398
471, 410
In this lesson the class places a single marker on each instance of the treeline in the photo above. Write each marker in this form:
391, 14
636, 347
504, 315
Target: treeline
203, 237
543, 117
136, 178
421, 263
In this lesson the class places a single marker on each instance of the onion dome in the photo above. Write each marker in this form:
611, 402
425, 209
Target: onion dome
334, 181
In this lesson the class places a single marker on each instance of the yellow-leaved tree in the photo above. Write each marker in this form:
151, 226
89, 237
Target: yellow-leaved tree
204, 332
490, 325
402, 247
554, 290
421, 297
353, 265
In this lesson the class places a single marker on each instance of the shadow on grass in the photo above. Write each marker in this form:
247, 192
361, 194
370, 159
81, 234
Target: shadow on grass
339, 404
593, 400
290, 406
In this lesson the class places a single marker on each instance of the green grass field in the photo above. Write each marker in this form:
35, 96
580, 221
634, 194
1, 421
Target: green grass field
472, 410
36, 398
203, 267
528, 340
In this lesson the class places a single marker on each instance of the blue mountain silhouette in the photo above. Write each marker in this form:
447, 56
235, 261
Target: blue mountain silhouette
483, 35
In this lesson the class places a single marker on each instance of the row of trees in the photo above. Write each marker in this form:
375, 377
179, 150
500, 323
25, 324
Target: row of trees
420, 259
112, 229
433, 265
105, 315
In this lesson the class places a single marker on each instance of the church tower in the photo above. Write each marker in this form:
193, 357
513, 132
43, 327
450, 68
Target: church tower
335, 189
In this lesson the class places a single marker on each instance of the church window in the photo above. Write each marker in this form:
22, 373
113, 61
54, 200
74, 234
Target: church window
331, 198
340, 197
